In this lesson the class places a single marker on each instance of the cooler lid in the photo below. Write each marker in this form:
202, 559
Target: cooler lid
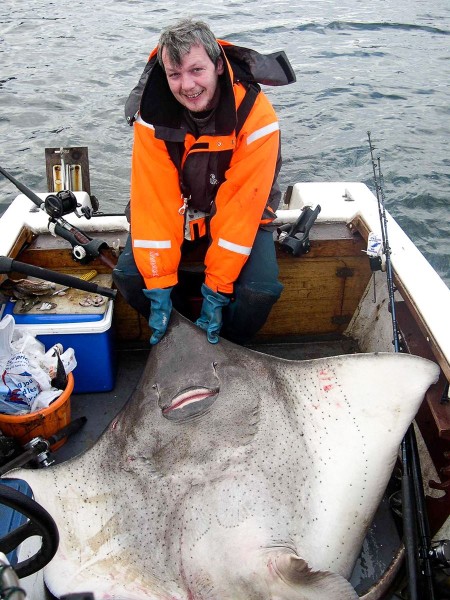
70, 306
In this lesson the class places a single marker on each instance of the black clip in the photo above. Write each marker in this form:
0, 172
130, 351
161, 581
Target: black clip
294, 238
376, 263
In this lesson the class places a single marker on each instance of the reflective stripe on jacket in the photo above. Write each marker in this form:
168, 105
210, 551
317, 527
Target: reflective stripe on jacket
157, 226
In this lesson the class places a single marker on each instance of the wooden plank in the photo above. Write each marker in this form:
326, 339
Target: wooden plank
331, 239
433, 417
129, 325
415, 343
55, 253
24, 238
316, 298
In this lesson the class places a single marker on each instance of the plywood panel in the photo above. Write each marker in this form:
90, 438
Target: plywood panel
316, 300
55, 253
129, 325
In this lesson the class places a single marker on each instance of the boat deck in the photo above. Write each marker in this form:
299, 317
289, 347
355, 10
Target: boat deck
333, 279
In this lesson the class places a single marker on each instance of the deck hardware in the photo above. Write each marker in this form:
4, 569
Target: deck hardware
347, 196
294, 238
67, 169
79, 253
288, 195
341, 319
441, 553
445, 394
345, 272
38, 449
55, 206
115, 246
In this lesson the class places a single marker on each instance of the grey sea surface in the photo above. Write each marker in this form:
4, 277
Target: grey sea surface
66, 69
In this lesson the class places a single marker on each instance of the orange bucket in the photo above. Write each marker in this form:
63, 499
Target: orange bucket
43, 423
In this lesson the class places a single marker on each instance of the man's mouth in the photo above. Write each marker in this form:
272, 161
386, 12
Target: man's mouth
193, 96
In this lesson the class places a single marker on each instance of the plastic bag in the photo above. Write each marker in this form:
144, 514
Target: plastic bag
21, 386
374, 245
6, 333
27, 370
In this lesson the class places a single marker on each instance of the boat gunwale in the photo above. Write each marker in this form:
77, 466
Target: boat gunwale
351, 202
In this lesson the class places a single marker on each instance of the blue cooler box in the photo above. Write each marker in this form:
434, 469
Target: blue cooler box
90, 336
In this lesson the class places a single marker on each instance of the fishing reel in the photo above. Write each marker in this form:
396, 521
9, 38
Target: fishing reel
440, 553
40, 448
38, 451
63, 203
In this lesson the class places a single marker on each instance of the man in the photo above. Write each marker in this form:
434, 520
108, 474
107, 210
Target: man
206, 156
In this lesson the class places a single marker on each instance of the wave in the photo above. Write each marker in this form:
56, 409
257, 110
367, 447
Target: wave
361, 26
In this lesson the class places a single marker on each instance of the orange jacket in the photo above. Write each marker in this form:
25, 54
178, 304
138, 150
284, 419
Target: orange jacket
157, 225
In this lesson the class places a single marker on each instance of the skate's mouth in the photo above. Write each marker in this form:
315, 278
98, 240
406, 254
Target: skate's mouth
190, 403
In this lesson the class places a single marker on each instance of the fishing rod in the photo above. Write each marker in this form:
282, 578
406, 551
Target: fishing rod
8, 265
84, 248
416, 531
378, 178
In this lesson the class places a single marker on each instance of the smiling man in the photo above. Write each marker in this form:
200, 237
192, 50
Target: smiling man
206, 157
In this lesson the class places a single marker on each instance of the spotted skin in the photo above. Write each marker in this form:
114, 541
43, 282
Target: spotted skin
230, 474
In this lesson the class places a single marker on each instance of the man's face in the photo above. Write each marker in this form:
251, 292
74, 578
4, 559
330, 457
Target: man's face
194, 83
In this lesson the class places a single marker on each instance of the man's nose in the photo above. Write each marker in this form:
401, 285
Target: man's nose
187, 81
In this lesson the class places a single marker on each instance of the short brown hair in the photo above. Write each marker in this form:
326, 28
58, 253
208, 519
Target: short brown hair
178, 39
